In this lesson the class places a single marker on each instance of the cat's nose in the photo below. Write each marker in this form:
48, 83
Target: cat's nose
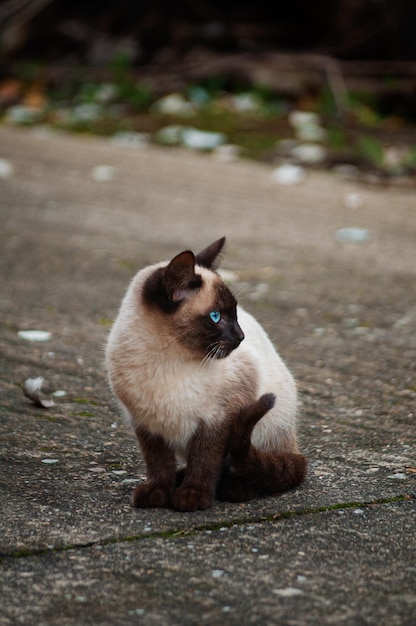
238, 334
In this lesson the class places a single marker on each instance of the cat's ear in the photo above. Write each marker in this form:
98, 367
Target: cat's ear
180, 278
208, 257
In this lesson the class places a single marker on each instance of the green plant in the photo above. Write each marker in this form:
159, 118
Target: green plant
370, 148
130, 91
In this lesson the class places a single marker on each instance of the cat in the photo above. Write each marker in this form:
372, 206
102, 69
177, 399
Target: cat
203, 385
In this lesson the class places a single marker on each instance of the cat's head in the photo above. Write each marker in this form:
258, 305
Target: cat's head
194, 305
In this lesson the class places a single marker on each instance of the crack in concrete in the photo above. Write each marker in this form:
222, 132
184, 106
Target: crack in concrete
192, 531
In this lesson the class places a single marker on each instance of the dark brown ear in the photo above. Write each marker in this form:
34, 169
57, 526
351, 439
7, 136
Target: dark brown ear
208, 256
179, 277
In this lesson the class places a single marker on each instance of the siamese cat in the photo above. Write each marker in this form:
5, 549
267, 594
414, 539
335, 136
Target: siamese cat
202, 385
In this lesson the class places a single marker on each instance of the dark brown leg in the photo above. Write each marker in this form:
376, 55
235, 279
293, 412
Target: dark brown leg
205, 459
160, 461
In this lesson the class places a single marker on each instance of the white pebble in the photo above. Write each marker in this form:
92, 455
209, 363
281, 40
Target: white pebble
59, 393
130, 140
355, 235
103, 173
50, 461
301, 118
217, 573
353, 200
201, 139
34, 335
346, 170
19, 114
288, 174
174, 104
310, 153
6, 168
87, 112
288, 592
310, 132
227, 153
398, 476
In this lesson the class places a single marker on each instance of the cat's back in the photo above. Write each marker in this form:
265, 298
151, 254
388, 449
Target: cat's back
277, 429
258, 343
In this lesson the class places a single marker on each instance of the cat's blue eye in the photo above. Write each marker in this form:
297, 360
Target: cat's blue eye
215, 316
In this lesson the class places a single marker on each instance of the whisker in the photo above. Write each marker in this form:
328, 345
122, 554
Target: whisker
241, 293
208, 356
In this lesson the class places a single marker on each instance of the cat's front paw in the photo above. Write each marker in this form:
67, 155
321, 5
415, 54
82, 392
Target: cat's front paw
150, 495
189, 498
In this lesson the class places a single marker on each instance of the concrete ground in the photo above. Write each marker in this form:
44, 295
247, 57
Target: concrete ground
339, 550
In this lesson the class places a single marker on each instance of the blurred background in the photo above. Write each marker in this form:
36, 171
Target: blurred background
320, 84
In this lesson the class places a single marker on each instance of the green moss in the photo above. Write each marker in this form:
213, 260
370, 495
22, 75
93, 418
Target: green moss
105, 321
82, 400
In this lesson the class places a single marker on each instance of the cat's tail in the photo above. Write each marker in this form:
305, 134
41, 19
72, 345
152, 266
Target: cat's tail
253, 472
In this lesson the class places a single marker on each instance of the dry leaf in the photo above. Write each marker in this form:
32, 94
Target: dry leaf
32, 390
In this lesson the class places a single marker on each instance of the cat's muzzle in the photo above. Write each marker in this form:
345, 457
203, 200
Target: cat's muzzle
229, 343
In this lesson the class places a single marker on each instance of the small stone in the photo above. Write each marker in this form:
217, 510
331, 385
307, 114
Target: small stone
346, 170
309, 153
103, 173
50, 461
353, 200
20, 114
169, 135
247, 103
398, 476
131, 140
34, 335
301, 118
288, 174
217, 573
288, 592
6, 169
174, 104
310, 132
201, 139
87, 112
59, 393
106, 93
227, 153
353, 234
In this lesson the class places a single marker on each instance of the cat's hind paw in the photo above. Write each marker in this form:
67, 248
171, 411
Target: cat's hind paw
150, 495
189, 498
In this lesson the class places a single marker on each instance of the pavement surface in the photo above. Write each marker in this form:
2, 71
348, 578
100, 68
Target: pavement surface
339, 550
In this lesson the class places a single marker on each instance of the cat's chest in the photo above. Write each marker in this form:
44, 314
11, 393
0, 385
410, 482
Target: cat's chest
174, 398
